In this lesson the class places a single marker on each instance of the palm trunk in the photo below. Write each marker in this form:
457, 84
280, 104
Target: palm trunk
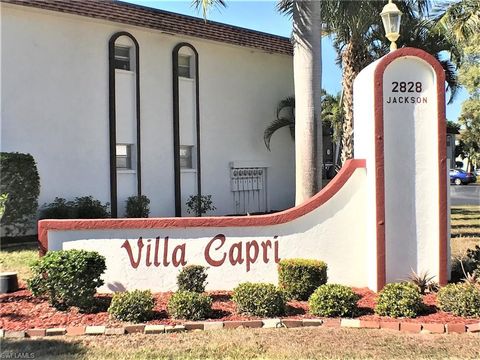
353, 62
307, 75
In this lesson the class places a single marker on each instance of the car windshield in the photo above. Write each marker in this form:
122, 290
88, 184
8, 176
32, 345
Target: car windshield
461, 171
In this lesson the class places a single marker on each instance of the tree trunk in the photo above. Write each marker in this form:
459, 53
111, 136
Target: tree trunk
307, 76
354, 60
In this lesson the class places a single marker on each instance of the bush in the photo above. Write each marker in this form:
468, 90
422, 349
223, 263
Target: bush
68, 277
85, 207
138, 207
58, 209
20, 181
200, 205
460, 299
192, 278
333, 300
299, 278
189, 305
259, 299
133, 306
399, 300
89, 208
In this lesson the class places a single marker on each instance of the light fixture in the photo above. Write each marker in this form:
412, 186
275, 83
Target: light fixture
391, 17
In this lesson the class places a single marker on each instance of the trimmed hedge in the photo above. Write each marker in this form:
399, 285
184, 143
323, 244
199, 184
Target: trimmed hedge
20, 180
85, 207
135, 306
333, 300
68, 277
138, 207
192, 278
189, 305
259, 299
460, 299
399, 300
299, 278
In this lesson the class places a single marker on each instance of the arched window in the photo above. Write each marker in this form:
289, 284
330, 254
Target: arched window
186, 124
124, 108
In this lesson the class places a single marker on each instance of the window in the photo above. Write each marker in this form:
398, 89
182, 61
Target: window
184, 66
186, 161
122, 57
124, 156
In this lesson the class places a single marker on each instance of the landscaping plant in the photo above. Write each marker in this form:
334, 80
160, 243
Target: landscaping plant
259, 299
460, 299
189, 305
85, 207
137, 207
134, 306
333, 300
68, 277
192, 278
199, 205
20, 182
298, 278
399, 300
423, 281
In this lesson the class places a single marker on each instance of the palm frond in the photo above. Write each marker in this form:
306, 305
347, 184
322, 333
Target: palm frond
206, 5
275, 125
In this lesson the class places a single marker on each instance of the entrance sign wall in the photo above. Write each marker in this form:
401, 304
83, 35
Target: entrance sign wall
400, 123
384, 214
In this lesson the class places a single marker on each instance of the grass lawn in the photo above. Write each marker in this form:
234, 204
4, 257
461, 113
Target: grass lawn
465, 229
298, 343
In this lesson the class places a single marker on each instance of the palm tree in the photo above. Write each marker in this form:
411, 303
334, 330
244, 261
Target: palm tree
359, 40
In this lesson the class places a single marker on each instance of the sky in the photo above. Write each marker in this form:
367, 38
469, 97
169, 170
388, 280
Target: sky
263, 16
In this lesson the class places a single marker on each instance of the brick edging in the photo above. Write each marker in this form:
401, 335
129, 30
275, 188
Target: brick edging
409, 327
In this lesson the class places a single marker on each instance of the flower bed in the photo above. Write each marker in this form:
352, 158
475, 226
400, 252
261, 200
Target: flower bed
21, 311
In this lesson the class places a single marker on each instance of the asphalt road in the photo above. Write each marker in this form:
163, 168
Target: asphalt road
465, 194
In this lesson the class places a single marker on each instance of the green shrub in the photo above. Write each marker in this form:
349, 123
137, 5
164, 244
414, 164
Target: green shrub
20, 181
189, 305
58, 209
299, 278
460, 299
89, 208
192, 278
199, 205
138, 207
68, 277
333, 300
85, 207
133, 306
259, 299
399, 300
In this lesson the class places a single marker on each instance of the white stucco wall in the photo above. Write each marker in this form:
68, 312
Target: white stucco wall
333, 232
54, 70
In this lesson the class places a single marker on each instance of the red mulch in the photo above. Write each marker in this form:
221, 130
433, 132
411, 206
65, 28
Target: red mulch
21, 311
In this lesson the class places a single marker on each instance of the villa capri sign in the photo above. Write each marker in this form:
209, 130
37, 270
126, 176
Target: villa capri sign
382, 216
156, 253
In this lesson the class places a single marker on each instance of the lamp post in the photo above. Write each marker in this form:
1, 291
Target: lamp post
391, 17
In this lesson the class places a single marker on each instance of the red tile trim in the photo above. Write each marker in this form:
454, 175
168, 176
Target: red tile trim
380, 160
225, 221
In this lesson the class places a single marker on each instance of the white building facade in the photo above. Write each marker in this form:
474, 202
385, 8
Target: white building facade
115, 100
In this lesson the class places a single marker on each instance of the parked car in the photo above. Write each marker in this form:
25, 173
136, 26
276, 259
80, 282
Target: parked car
459, 177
